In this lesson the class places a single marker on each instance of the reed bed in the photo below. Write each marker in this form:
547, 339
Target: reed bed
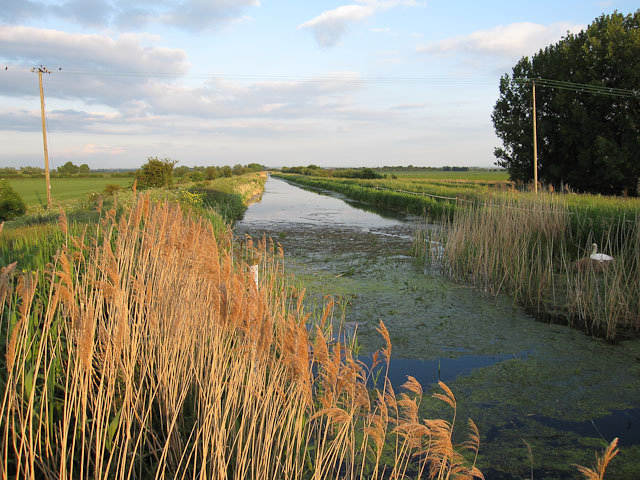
530, 250
147, 350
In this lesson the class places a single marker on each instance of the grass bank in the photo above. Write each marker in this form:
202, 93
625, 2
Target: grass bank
230, 196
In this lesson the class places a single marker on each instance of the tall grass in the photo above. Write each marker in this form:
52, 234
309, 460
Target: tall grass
147, 351
529, 250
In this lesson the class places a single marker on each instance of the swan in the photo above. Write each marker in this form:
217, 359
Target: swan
599, 257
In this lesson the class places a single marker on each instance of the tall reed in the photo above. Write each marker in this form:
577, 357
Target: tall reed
147, 351
529, 250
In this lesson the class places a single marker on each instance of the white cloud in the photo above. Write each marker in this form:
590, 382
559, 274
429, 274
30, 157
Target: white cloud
131, 14
509, 41
331, 25
126, 53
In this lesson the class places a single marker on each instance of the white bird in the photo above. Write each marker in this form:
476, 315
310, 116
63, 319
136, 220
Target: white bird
599, 257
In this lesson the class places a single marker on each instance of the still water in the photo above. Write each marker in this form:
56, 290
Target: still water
563, 393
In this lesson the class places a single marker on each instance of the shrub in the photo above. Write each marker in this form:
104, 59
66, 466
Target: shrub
111, 189
11, 205
156, 173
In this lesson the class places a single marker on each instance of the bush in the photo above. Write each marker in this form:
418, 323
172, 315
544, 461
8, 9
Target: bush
111, 189
156, 173
11, 205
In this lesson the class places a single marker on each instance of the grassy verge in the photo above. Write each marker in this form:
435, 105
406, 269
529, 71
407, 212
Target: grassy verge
230, 196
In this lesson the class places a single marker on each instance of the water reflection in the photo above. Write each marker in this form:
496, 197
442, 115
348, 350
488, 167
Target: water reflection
288, 204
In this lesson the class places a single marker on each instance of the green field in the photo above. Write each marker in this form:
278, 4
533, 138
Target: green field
34, 194
485, 175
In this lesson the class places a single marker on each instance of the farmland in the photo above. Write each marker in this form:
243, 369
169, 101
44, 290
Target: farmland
34, 193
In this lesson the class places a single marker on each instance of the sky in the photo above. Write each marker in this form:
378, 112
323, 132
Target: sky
276, 82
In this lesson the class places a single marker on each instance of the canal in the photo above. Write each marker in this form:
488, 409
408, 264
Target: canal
544, 396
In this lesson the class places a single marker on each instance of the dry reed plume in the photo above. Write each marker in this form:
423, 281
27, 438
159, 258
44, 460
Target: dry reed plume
146, 351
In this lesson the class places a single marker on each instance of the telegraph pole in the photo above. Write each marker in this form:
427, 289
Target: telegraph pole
535, 142
40, 71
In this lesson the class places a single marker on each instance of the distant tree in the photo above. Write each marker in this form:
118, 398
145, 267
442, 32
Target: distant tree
11, 204
368, 173
587, 141
84, 168
226, 171
8, 171
181, 171
211, 173
68, 169
197, 176
156, 173
238, 169
256, 167
31, 170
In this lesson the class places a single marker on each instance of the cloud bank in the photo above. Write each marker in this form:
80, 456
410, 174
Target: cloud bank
506, 41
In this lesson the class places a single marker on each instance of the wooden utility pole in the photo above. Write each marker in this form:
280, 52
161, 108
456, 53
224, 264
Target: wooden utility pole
40, 71
535, 142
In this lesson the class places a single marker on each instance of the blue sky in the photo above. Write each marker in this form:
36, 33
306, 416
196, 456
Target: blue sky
217, 82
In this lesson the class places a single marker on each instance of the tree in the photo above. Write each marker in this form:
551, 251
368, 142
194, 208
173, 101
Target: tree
181, 171
588, 141
68, 168
211, 173
84, 168
226, 171
238, 169
11, 205
156, 173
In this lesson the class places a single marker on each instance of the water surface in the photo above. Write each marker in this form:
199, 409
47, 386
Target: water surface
560, 391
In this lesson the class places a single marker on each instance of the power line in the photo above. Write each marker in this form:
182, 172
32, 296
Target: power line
390, 80
578, 87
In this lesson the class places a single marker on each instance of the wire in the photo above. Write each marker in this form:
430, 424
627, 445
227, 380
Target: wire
578, 87
421, 80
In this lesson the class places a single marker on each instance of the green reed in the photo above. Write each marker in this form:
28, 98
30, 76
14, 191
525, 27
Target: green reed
530, 251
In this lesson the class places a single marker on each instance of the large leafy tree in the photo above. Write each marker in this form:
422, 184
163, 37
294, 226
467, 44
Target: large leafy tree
588, 141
